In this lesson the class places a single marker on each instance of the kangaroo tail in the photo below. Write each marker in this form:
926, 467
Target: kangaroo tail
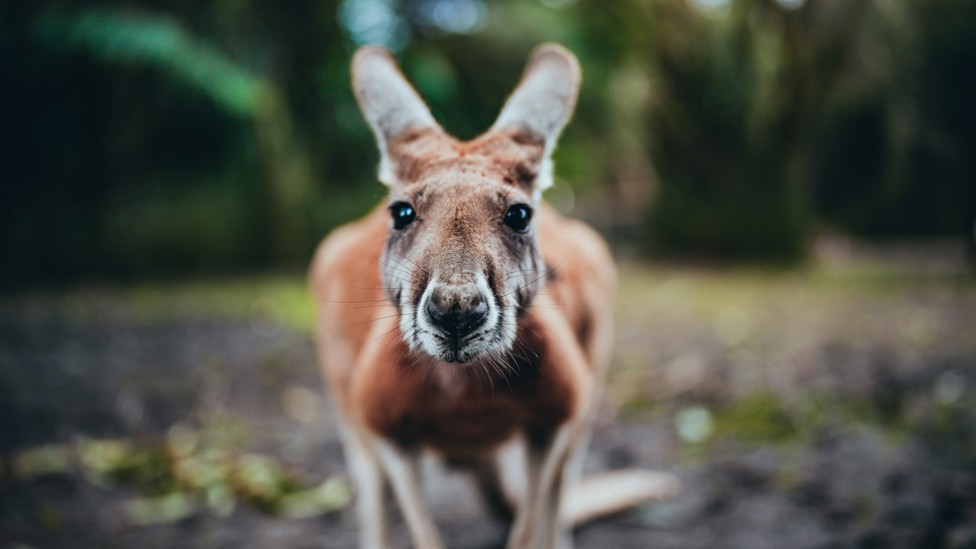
609, 493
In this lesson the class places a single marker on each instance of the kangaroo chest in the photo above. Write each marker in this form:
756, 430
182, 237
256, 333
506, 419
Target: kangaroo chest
460, 409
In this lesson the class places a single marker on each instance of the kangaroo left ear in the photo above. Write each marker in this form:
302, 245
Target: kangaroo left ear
543, 103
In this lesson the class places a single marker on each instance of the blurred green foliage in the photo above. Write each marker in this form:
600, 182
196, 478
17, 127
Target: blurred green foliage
154, 138
186, 470
158, 42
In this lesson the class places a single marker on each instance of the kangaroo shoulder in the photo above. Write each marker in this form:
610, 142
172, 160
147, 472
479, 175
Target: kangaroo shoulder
348, 249
575, 248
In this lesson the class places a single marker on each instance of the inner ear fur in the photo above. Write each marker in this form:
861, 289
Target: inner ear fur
391, 106
542, 104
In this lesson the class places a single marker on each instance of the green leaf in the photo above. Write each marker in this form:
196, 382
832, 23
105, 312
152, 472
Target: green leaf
146, 39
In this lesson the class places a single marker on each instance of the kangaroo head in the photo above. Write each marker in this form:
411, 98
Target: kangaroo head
462, 259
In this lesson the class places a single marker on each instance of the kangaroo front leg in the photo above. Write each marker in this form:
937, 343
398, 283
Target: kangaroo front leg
367, 477
538, 522
555, 530
403, 471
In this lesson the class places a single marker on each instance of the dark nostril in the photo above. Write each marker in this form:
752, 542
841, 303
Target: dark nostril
480, 307
437, 314
457, 318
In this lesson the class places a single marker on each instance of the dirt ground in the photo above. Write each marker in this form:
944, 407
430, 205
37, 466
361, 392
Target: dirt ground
829, 406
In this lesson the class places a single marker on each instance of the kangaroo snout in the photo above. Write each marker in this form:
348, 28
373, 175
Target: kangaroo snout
457, 310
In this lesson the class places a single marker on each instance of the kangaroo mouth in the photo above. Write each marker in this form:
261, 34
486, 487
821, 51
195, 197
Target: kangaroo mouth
461, 350
459, 323
457, 347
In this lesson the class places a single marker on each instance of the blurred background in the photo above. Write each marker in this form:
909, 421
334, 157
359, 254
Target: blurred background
789, 185
148, 138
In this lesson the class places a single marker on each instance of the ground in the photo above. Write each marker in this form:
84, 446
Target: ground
823, 406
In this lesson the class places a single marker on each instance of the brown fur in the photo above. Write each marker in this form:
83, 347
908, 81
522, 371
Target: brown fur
507, 156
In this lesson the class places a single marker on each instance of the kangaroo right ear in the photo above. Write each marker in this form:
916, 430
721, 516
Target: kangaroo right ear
543, 103
391, 106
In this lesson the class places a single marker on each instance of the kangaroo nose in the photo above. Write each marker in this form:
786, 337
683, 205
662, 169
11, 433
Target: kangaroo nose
457, 311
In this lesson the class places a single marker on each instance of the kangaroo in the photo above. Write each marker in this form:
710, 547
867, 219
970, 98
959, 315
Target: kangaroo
467, 318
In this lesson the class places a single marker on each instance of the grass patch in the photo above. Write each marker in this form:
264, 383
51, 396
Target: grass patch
186, 472
283, 300
759, 418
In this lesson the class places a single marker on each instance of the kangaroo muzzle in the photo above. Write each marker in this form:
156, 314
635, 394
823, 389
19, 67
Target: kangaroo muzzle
457, 310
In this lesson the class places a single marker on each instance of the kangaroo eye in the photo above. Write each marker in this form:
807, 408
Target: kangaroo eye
517, 218
403, 215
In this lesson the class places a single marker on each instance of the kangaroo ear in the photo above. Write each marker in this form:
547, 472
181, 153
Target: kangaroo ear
542, 103
391, 106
